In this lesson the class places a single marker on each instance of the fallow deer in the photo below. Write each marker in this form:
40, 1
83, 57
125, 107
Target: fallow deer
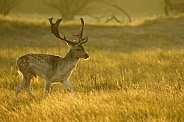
50, 67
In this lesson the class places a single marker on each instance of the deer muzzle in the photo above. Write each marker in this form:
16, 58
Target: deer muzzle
86, 56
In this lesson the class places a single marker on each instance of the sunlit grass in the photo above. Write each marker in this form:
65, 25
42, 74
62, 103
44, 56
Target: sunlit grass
132, 105
127, 86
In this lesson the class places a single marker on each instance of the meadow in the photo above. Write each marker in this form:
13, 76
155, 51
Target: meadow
135, 72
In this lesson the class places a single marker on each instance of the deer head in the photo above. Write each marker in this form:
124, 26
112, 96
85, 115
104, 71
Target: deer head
76, 47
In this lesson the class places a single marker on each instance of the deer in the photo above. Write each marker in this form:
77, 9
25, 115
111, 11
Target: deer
52, 68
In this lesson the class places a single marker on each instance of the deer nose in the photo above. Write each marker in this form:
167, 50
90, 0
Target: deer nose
86, 56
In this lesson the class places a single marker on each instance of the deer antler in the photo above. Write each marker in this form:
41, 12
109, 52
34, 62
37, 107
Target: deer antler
54, 30
80, 34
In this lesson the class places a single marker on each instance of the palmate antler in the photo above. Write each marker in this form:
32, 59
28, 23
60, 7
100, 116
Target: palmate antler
54, 30
80, 34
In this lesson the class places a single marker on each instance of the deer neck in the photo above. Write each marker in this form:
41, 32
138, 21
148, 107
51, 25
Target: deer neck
70, 59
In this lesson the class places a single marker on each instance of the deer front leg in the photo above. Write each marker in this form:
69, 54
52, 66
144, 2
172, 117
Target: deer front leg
28, 89
69, 85
47, 87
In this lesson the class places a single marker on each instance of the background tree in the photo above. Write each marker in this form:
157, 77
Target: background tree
7, 5
69, 8
174, 6
119, 8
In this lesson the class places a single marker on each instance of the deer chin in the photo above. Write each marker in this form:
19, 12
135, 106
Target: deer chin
86, 58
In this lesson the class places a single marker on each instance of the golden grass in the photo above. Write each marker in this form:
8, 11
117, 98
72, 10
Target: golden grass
122, 80
142, 86
111, 105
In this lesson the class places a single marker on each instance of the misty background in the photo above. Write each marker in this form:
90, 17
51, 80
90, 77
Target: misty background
96, 12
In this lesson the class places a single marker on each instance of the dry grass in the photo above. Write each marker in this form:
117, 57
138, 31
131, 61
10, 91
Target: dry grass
133, 74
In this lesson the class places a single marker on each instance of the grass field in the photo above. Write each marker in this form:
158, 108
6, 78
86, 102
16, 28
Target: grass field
135, 72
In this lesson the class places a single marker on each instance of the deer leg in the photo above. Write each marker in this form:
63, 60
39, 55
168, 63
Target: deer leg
47, 87
20, 86
69, 85
28, 79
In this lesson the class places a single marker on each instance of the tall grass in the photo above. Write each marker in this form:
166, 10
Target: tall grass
139, 86
122, 80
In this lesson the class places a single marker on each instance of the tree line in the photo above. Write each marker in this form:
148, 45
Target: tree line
68, 9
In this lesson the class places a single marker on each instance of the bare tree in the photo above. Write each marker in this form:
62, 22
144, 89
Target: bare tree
69, 8
119, 8
7, 5
111, 16
172, 6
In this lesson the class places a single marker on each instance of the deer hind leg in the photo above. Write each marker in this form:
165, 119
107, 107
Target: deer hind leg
20, 86
25, 82
28, 80
69, 85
